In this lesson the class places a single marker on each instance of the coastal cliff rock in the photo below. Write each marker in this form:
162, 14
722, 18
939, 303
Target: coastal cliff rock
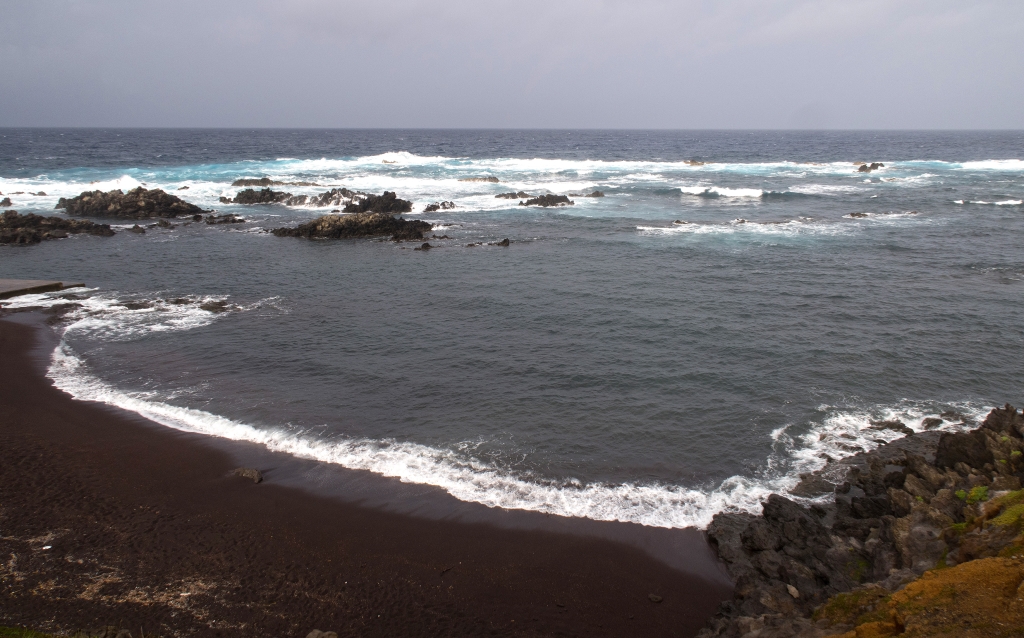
548, 200
372, 224
138, 203
929, 501
32, 229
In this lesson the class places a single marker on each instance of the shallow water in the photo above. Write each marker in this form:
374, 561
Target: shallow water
609, 363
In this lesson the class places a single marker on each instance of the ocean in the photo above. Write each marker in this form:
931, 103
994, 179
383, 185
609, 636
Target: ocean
738, 308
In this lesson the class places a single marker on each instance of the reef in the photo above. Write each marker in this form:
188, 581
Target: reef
916, 530
369, 224
138, 203
31, 229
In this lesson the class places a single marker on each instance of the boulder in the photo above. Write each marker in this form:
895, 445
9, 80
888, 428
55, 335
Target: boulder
387, 202
250, 473
138, 203
548, 200
6, 202
433, 208
263, 196
32, 229
357, 225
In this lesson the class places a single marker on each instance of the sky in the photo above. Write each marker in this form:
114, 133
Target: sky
680, 64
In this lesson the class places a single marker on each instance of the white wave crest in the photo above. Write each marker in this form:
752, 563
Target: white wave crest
719, 191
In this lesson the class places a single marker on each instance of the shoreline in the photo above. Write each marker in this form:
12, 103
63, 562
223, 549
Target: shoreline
146, 528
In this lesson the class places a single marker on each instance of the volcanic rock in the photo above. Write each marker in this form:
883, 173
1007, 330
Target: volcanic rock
138, 203
264, 196
387, 202
519, 195
32, 229
867, 168
548, 200
357, 225
229, 218
433, 208
6, 202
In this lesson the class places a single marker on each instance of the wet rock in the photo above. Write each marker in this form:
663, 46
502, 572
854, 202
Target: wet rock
357, 225
858, 215
6, 202
548, 200
138, 203
333, 197
503, 242
229, 218
931, 423
519, 195
265, 182
250, 473
966, 447
424, 246
250, 196
387, 202
433, 208
896, 425
867, 168
215, 306
31, 229
183, 188
489, 179
137, 229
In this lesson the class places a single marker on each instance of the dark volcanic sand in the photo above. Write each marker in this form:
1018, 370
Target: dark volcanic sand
148, 530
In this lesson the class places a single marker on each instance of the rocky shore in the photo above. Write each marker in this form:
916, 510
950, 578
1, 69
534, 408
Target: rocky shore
944, 505
138, 203
32, 229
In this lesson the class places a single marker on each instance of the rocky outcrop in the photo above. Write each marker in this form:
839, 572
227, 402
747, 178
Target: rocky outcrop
548, 200
358, 225
138, 203
489, 179
519, 195
593, 194
931, 499
867, 168
388, 202
32, 229
229, 218
433, 208
6, 202
251, 196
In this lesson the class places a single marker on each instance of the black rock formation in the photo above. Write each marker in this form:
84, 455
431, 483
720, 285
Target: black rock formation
388, 202
32, 229
229, 218
899, 510
867, 168
433, 208
357, 225
548, 200
138, 203
263, 196
519, 195
6, 202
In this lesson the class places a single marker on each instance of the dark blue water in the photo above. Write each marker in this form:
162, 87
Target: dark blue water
609, 363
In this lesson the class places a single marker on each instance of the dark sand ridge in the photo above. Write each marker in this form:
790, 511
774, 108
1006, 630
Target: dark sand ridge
136, 515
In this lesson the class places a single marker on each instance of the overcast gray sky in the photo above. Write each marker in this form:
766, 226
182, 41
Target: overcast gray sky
523, 63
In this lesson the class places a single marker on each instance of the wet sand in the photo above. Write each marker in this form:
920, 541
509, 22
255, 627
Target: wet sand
108, 519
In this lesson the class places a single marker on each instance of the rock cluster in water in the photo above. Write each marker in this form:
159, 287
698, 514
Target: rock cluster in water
490, 179
266, 181
138, 203
929, 500
519, 195
436, 206
548, 200
32, 229
867, 168
370, 224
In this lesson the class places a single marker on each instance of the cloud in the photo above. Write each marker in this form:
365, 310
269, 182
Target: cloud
529, 63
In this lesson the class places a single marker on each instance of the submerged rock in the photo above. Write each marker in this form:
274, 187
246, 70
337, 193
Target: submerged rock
229, 218
138, 203
433, 208
32, 229
548, 200
357, 225
489, 179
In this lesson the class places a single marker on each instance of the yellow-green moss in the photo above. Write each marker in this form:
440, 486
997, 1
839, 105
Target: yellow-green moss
1010, 516
855, 608
979, 493
962, 495
21, 632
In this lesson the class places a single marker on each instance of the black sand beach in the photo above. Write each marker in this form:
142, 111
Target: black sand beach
108, 520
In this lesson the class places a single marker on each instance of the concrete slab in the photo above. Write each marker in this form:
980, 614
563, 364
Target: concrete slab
15, 287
